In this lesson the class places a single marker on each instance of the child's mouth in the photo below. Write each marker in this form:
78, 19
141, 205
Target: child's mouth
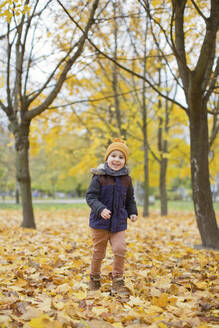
116, 165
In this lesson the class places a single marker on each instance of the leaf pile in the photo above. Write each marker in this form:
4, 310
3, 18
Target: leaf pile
44, 275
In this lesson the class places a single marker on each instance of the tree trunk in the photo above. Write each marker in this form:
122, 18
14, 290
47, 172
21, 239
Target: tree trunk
145, 130
146, 179
163, 148
202, 197
115, 82
23, 175
163, 188
17, 194
146, 160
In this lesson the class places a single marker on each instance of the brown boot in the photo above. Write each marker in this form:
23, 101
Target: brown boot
118, 286
94, 282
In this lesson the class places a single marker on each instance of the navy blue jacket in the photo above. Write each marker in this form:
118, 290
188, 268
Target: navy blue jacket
112, 190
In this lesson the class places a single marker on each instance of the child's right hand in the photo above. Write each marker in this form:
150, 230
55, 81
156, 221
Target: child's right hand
106, 214
133, 217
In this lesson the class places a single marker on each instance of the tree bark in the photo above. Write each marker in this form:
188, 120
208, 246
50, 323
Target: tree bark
23, 174
197, 91
115, 84
145, 130
146, 158
146, 162
202, 197
163, 187
162, 147
17, 194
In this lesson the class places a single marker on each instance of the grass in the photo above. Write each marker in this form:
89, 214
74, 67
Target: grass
45, 206
182, 206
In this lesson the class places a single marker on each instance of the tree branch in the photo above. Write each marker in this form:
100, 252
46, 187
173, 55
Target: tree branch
9, 100
93, 100
137, 75
215, 128
38, 110
213, 83
3, 107
44, 86
199, 11
179, 45
205, 61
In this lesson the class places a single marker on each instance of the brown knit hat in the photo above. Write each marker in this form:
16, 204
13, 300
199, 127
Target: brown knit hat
118, 144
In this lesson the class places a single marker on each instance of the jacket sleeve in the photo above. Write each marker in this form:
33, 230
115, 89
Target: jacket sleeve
130, 200
93, 195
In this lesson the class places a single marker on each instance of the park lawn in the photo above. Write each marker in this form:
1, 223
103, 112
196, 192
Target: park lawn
44, 274
184, 206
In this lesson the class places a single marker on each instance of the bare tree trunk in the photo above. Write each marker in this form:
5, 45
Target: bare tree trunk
163, 188
162, 147
146, 161
115, 83
17, 194
145, 130
198, 85
163, 169
23, 175
145, 144
202, 197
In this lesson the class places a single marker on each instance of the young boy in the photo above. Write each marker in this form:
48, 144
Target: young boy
111, 198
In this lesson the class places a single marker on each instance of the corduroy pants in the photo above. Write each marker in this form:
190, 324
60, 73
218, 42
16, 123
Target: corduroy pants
117, 242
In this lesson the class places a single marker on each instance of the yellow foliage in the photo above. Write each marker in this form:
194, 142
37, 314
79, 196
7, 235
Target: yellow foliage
42, 322
9, 8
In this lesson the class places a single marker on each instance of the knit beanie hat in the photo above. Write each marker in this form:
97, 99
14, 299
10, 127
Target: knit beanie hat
118, 144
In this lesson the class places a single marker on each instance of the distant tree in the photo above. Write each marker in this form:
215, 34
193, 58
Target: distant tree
27, 42
7, 170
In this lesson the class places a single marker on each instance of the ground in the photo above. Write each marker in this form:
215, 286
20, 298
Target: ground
44, 274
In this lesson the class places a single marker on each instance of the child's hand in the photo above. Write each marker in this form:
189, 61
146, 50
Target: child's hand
133, 217
106, 214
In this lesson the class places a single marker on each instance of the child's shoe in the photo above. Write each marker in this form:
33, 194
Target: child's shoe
118, 287
94, 282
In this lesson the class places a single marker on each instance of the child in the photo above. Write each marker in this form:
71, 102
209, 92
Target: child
111, 198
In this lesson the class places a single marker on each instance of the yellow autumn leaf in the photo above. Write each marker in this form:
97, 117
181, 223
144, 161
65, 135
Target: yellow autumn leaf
80, 295
41, 322
161, 301
58, 305
98, 310
201, 285
162, 325
117, 325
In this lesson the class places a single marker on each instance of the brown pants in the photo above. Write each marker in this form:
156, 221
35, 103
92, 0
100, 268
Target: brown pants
118, 245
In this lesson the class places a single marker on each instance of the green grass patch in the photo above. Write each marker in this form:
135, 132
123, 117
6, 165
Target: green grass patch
45, 206
181, 206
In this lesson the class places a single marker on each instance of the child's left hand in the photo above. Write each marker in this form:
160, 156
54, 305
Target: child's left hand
133, 217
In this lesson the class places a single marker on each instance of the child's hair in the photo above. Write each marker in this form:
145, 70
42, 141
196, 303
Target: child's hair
118, 144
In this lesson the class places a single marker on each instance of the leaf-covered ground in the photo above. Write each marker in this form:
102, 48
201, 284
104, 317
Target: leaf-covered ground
44, 274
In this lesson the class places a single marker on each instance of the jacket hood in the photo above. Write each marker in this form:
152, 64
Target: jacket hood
104, 169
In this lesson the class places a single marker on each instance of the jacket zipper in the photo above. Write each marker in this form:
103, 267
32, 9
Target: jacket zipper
113, 203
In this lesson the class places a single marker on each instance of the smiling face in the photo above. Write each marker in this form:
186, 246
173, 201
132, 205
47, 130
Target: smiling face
116, 160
